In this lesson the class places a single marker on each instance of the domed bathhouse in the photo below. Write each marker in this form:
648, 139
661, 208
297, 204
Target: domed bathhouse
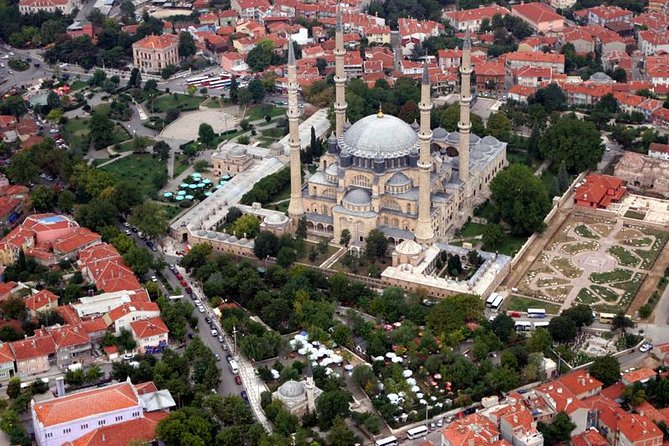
408, 181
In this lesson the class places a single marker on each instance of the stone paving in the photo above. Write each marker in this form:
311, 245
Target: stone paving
593, 261
186, 127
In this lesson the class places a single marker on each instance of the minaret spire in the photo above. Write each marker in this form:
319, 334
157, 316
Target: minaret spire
295, 208
464, 126
340, 77
424, 231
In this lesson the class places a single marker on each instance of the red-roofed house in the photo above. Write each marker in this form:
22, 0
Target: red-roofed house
641, 375
153, 53
490, 76
34, 355
138, 431
560, 399
66, 418
95, 328
601, 15
539, 16
6, 362
472, 430
580, 382
250, 9
591, 437
520, 93
69, 246
71, 343
535, 59
449, 58
150, 334
471, 18
659, 151
637, 430
35, 6
598, 192
121, 317
41, 301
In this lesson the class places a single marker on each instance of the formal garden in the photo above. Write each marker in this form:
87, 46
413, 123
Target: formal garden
595, 262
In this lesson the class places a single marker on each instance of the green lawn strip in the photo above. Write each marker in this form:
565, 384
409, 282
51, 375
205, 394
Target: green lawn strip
634, 214
520, 303
617, 275
170, 101
127, 146
180, 164
605, 293
624, 257
586, 232
586, 296
260, 111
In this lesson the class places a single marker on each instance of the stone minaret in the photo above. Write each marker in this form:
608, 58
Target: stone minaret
309, 386
424, 232
295, 208
340, 77
464, 126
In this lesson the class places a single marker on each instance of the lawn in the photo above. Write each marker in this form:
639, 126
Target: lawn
260, 111
606, 293
584, 231
127, 146
519, 303
470, 230
175, 100
617, 275
172, 211
511, 244
145, 170
624, 257
76, 133
321, 256
103, 109
635, 215
78, 85
180, 164
586, 296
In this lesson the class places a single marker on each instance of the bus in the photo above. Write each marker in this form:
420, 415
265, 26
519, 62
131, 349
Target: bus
388, 441
607, 318
221, 83
197, 80
491, 299
523, 326
542, 324
536, 312
497, 302
417, 432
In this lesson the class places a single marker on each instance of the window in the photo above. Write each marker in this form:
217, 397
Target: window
119, 418
49, 435
67, 431
84, 426
135, 414
102, 422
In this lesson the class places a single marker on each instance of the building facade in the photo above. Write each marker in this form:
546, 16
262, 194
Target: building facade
153, 53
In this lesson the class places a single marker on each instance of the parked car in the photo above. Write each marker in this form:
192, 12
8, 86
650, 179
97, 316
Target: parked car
238, 380
244, 395
179, 276
207, 320
228, 358
218, 357
221, 339
214, 333
647, 346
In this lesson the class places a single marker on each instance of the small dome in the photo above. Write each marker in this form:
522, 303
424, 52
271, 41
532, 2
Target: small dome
439, 133
233, 239
415, 126
332, 137
223, 236
358, 197
237, 152
276, 147
201, 233
490, 140
291, 389
399, 179
333, 169
275, 219
473, 139
409, 247
212, 234
453, 137
243, 241
600, 77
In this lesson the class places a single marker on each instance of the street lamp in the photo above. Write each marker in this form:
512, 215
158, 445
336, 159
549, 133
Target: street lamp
234, 336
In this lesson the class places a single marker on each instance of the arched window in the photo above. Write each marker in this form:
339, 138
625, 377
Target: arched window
361, 181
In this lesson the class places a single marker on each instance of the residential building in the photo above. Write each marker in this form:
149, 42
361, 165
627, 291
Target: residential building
150, 334
34, 355
121, 317
559, 398
72, 342
37, 6
528, 76
41, 301
100, 304
598, 192
644, 374
562, 4
67, 418
582, 40
653, 42
449, 58
473, 429
659, 151
520, 93
7, 369
542, 18
535, 59
470, 19
379, 35
601, 15
137, 431
153, 53
591, 437
250, 9
490, 76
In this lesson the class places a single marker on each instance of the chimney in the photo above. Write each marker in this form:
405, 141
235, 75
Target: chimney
559, 390
60, 386
569, 401
104, 437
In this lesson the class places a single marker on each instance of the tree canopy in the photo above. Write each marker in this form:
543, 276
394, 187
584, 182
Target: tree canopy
573, 141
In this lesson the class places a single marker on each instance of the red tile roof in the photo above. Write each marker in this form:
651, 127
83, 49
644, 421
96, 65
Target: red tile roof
657, 147
68, 336
40, 299
637, 428
535, 56
157, 42
600, 190
6, 354
591, 437
537, 12
476, 14
76, 240
88, 403
641, 375
34, 347
128, 308
69, 314
149, 327
614, 391
140, 430
472, 430
147, 387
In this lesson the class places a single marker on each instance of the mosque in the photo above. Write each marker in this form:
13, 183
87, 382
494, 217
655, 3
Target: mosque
408, 181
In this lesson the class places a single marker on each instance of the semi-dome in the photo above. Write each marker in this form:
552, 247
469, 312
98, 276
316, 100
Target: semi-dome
380, 135
399, 179
275, 219
332, 169
439, 133
358, 197
276, 148
291, 389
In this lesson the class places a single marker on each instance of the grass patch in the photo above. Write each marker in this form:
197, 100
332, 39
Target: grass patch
103, 109
145, 170
18, 64
511, 244
320, 258
486, 210
471, 229
578, 247
260, 111
584, 231
606, 293
624, 257
638, 242
180, 164
127, 146
520, 303
586, 296
76, 133
78, 85
617, 275
172, 211
564, 266
635, 214
175, 100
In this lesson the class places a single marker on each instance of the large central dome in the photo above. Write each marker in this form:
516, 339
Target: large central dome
380, 136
